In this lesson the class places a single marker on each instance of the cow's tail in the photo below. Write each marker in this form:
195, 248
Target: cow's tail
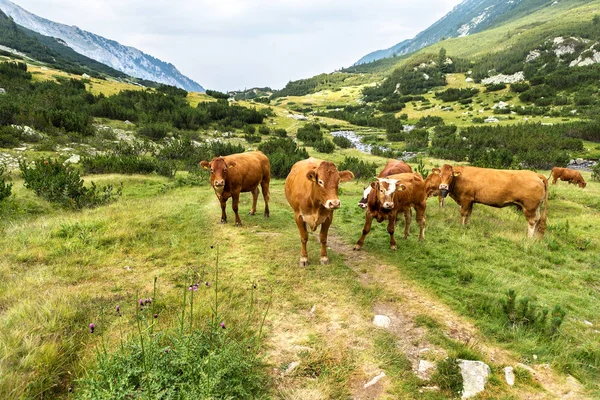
542, 223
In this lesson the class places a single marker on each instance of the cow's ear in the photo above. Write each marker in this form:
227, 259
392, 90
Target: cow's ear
311, 175
346, 176
456, 173
231, 164
374, 185
400, 187
204, 164
436, 171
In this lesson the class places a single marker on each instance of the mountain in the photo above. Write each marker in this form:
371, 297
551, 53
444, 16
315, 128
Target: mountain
122, 58
470, 16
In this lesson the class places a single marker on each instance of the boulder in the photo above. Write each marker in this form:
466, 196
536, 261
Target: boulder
74, 159
382, 321
425, 369
475, 375
509, 375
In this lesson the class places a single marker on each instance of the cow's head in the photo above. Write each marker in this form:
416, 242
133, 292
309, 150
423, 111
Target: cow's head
325, 179
582, 184
385, 190
218, 171
448, 174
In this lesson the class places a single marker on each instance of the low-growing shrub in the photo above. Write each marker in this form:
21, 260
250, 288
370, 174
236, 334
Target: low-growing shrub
155, 131
596, 172
283, 153
524, 312
5, 186
310, 134
361, 169
63, 185
264, 130
280, 132
495, 87
112, 164
342, 142
448, 376
250, 129
253, 138
324, 146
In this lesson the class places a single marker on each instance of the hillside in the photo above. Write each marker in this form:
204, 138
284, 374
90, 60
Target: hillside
126, 59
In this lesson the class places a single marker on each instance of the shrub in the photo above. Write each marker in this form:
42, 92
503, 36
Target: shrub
519, 87
250, 129
324, 146
526, 313
114, 164
495, 87
264, 130
155, 131
280, 132
216, 94
283, 153
596, 172
310, 133
253, 138
417, 140
10, 137
342, 142
63, 185
448, 376
395, 136
5, 187
361, 169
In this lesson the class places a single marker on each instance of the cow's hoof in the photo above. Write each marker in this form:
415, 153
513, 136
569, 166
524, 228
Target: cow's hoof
223, 221
394, 247
303, 262
324, 260
252, 213
357, 248
238, 224
267, 215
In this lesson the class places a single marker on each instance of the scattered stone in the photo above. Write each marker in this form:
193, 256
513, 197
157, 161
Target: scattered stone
429, 389
491, 120
2, 90
313, 309
475, 375
469, 80
44, 68
588, 323
382, 321
514, 78
426, 368
500, 105
509, 375
299, 117
293, 365
74, 159
374, 380
526, 368
20, 148
85, 76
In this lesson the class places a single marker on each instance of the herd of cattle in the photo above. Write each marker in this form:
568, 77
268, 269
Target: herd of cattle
311, 188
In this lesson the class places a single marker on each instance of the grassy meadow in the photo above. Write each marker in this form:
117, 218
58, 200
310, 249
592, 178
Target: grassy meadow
62, 270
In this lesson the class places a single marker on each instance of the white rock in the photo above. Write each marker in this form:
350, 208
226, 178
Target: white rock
469, 80
85, 76
74, 159
425, 369
382, 321
509, 375
588, 323
491, 119
293, 365
313, 309
475, 375
516, 77
374, 380
2, 90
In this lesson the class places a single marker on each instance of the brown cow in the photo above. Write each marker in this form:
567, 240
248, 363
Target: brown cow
311, 188
236, 173
567, 175
390, 196
392, 167
527, 190
432, 185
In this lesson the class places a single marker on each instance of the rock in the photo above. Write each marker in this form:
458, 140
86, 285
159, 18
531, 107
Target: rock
44, 68
425, 369
382, 321
509, 375
313, 309
526, 368
74, 159
579, 161
374, 380
293, 365
491, 119
127, 122
500, 105
588, 323
475, 375
2, 90
516, 77
469, 80
85, 76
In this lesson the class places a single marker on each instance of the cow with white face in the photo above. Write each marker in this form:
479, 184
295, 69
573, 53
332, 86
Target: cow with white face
392, 167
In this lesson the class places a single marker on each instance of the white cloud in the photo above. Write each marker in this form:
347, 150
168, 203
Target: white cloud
232, 44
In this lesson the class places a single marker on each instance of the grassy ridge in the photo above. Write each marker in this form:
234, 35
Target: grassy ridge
61, 270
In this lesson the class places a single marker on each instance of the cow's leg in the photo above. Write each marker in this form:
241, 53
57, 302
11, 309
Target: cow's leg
323, 237
266, 195
441, 201
254, 200
391, 228
365, 232
407, 218
554, 180
465, 212
235, 201
223, 212
303, 239
533, 219
420, 209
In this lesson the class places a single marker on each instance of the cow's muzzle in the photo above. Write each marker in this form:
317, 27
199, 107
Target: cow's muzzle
444, 190
333, 204
388, 205
362, 203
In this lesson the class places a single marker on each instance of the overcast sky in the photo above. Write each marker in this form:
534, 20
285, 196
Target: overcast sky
237, 44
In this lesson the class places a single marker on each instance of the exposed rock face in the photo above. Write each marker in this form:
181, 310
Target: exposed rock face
475, 375
500, 78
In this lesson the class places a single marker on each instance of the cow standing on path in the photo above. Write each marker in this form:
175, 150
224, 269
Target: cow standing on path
311, 188
237, 173
527, 190
390, 196
391, 168
567, 175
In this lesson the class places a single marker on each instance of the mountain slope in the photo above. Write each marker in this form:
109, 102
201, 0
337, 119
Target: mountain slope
470, 16
123, 58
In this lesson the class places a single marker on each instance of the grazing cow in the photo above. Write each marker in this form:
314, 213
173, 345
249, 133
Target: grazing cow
236, 173
567, 175
392, 167
432, 185
390, 196
311, 188
527, 190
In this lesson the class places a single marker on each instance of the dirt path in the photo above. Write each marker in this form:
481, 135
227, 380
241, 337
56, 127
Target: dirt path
414, 301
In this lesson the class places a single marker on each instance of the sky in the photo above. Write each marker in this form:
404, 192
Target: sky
237, 44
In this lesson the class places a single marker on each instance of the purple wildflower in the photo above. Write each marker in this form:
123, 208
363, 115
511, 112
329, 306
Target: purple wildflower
118, 308
155, 315
92, 326
207, 284
141, 302
223, 325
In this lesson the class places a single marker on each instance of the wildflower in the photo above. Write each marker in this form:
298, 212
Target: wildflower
141, 303
118, 309
223, 325
92, 326
155, 315
167, 350
207, 284
254, 286
148, 300
212, 247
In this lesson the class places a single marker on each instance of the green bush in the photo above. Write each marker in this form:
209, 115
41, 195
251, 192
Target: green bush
361, 169
596, 172
495, 87
310, 134
324, 146
526, 313
280, 132
342, 142
218, 357
156, 131
63, 185
114, 164
253, 138
448, 376
519, 87
250, 129
264, 130
5, 187
283, 153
